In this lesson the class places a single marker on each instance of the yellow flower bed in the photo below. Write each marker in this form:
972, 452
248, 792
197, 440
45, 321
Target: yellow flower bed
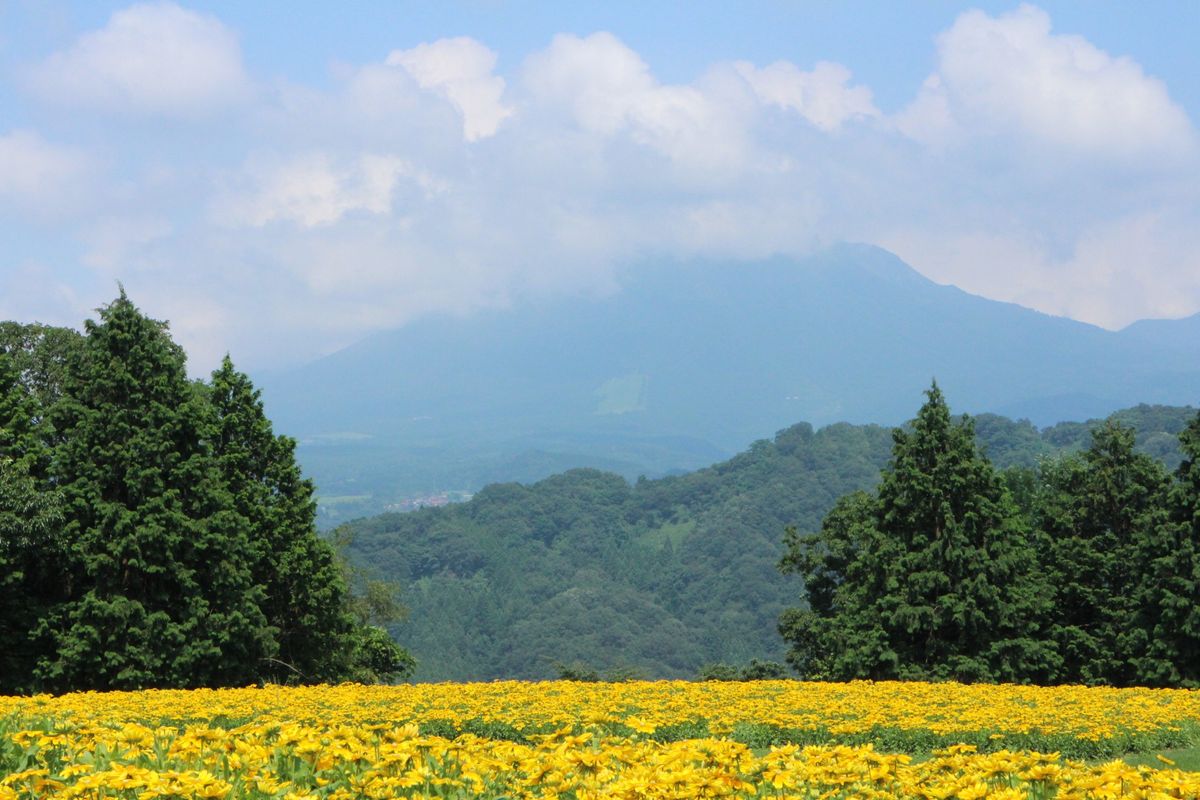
841, 708
577, 741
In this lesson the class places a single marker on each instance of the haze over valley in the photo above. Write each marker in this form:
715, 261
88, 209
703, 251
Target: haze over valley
688, 363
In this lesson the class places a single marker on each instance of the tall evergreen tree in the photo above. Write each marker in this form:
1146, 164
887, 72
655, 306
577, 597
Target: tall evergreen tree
157, 585
1168, 592
1096, 512
305, 596
934, 577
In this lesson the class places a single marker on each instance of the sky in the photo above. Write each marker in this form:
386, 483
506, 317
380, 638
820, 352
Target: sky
281, 179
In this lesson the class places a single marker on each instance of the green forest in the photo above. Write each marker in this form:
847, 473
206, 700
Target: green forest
675, 577
155, 532
1084, 570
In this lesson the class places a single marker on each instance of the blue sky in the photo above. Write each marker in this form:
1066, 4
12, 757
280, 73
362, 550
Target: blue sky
280, 179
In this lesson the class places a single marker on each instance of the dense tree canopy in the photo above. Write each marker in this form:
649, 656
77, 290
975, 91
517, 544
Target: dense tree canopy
1168, 589
663, 577
1081, 570
932, 576
154, 531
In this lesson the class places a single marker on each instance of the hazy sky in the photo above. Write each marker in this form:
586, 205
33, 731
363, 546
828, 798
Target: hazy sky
280, 179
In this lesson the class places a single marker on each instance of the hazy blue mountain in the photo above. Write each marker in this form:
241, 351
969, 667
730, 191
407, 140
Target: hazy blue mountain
692, 361
1181, 335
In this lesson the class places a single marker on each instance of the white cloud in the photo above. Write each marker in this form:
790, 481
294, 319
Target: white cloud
34, 292
430, 183
111, 240
822, 96
1145, 265
37, 175
1010, 77
156, 59
461, 70
314, 189
606, 89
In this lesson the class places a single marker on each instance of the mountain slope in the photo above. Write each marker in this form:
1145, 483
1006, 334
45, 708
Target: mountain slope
661, 576
691, 361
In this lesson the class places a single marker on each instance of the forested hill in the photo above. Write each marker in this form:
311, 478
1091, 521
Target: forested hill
661, 576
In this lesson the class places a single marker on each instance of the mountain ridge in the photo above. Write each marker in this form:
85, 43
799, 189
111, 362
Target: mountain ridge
713, 353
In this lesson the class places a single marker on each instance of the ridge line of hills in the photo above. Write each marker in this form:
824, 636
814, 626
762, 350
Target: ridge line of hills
688, 363
658, 577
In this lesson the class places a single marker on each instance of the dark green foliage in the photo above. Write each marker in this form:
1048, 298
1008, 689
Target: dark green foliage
1013, 444
931, 577
304, 593
665, 575
43, 356
754, 671
374, 657
662, 576
581, 672
1168, 592
154, 531
577, 671
1098, 512
1083, 570
157, 589
30, 515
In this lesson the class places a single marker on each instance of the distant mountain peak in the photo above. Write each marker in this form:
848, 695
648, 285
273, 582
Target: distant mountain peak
717, 354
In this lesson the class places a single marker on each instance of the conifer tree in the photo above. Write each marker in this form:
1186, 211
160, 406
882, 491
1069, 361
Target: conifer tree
1168, 592
933, 577
1097, 513
157, 585
305, 596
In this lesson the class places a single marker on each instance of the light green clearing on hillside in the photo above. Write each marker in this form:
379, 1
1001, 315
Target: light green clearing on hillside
622, 395
672, 532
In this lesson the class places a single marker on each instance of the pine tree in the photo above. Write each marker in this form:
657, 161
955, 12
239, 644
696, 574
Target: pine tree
305, 595
1168, 592
157, 587
1097, 513
934, 577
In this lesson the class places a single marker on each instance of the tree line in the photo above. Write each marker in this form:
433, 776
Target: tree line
1083, 569
155, 532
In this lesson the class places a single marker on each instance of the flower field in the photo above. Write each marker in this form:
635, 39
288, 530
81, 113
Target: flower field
571, 740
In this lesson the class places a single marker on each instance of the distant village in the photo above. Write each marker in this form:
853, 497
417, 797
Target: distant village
430, 501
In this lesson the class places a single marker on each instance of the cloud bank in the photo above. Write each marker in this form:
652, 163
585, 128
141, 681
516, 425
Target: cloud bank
279, 219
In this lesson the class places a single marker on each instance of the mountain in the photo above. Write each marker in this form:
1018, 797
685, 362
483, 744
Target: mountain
1179, 335
688, 363
657, 576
